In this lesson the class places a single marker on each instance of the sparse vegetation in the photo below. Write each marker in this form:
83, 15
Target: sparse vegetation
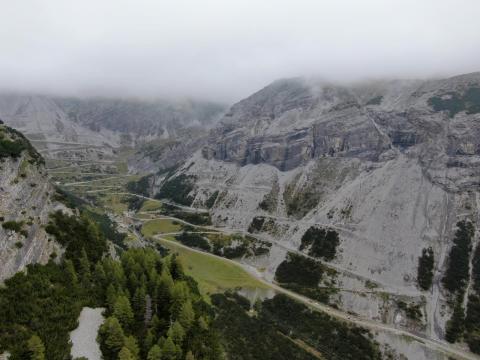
412, 310
300, 201
270, 200
256, 224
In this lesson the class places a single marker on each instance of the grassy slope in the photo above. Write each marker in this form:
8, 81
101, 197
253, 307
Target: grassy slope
213, 274
159, 226
151, 205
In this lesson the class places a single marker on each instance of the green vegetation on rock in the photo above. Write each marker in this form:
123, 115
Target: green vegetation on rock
177, 189
141, 186
456, 278
281, 329
457, 274
321, 243
425, 269
454, 103
13, 143
211, 200
299, 270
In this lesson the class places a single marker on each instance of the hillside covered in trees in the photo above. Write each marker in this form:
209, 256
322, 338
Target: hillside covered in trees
153, 310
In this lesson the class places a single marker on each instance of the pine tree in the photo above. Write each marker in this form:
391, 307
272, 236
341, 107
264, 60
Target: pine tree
189, 356
187, 315
425, 269
99, 275
125, 354
176, 267
71, 274
111, 297
84, 265
202, 323
132, 345
152, 280
122, 310
155, 353
111, 338
36, 349
176, 333
169, 350
456, 325
149, 340
138, 304
164, 294
180, 294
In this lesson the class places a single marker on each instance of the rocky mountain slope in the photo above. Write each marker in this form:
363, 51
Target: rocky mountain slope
92, 129
390, 166
25, 203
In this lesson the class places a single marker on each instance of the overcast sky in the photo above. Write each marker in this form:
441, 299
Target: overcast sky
223, 49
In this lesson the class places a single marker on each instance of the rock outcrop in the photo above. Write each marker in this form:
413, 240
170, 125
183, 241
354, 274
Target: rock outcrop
25, 204
392, 166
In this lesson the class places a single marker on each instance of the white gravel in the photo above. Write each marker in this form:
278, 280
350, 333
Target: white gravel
84, 337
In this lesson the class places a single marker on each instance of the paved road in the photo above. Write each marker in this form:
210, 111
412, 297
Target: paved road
432, 344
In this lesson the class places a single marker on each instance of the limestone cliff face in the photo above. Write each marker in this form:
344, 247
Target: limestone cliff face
25, 202
291, 122
391, 165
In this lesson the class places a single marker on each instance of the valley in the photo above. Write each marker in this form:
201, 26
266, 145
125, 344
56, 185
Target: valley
307, 191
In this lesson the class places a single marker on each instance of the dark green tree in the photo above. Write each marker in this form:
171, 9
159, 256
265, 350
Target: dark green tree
111, 338
425, 269
122, 310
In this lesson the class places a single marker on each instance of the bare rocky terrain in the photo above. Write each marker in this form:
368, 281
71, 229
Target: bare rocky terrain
391, 166
25, 203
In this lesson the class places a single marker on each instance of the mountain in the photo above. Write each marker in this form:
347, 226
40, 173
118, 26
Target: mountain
26, 201
94, 128
384, 169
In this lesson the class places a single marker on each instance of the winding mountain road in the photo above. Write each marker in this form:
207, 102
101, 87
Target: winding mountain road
443, 347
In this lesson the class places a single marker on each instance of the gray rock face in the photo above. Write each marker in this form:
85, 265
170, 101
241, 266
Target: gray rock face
291, 122
26, 199
392, 166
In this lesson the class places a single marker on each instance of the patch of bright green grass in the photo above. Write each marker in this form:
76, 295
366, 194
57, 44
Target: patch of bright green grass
213, 274
160, 226
151, 205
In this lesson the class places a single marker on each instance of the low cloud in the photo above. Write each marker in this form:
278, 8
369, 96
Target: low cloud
225, 50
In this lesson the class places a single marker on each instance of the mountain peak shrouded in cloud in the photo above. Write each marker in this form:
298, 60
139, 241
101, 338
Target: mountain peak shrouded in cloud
224, 50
